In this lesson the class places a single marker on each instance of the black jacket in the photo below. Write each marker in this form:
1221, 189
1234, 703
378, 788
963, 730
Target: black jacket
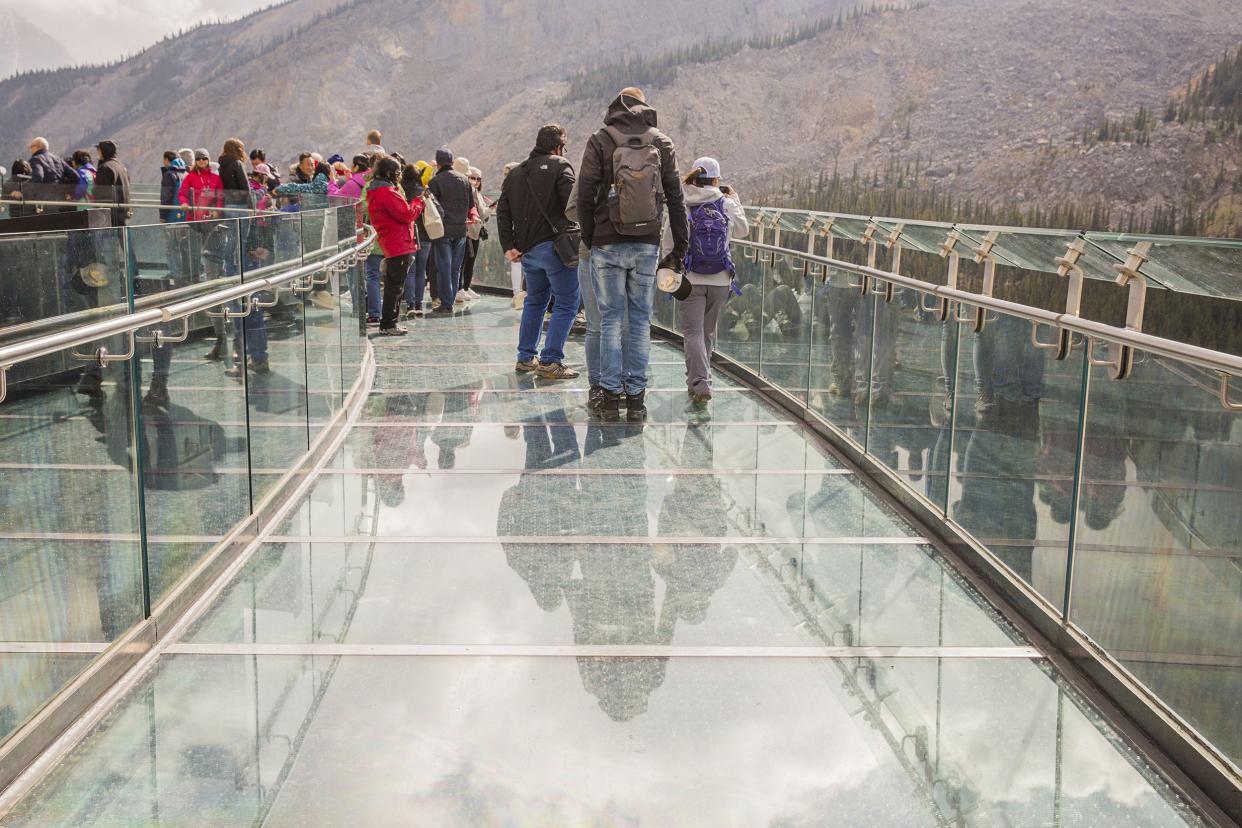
630, 116
455, 196
233, 177
112, 185
47, 179
541, 181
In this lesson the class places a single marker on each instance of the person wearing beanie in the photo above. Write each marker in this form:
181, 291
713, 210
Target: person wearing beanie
452, 191
715, 214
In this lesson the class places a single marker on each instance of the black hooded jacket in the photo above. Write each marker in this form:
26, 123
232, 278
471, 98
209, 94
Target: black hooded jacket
112, 183
543, 181
233, 177
630, 116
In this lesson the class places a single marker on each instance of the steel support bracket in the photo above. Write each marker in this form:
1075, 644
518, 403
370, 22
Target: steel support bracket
978, 319
102, 358
160, 339
1227, 403
1067, 267
1121, 357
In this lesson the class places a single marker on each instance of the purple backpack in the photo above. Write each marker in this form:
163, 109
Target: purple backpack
709, 239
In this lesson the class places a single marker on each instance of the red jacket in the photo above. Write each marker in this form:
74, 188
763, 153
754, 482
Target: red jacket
393, 219
201, 191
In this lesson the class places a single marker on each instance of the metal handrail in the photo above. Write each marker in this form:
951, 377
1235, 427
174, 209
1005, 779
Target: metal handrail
145, 205
30, 349
1202, 357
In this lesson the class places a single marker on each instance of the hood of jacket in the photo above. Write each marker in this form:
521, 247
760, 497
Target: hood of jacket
696, 195
629, 114
379, 184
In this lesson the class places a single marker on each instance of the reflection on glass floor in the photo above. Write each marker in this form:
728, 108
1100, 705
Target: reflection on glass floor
491, 611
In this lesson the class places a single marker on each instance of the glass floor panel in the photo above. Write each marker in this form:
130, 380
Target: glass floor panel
490, 610
557, 594
224, 740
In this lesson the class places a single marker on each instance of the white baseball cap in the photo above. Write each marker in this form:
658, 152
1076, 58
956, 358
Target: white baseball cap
710, 167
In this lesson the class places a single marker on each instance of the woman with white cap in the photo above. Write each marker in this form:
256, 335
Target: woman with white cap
715, 214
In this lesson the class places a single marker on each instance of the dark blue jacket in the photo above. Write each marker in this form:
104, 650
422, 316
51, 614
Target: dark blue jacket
170, 186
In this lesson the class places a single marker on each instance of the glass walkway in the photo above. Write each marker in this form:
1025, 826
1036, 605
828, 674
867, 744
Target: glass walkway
488, 609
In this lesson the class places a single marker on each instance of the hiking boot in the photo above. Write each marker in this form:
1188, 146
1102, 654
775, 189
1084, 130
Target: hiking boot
556, 371
636, 406
157, 395
609, 405
216, 353
395, 330
595, 397
528, 366
701, 400
414, 313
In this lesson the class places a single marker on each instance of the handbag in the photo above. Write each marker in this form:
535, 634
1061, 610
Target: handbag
568, 239
433, 221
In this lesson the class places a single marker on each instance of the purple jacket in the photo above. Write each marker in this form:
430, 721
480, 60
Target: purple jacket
353, 187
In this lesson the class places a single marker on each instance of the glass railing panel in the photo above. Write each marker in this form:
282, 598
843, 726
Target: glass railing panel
1038, 249
353, 312
1015, 435
71, 540
787, 308
1204, 266
741, 320
924, 236
914, 360
840, 353
1158, 550
323, 323
275, 382
195, 441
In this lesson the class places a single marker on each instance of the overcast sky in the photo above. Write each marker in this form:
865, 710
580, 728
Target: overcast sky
101, 30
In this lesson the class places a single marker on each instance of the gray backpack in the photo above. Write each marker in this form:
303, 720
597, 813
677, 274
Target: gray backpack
636, 197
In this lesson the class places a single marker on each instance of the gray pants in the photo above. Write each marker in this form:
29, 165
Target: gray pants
698, 313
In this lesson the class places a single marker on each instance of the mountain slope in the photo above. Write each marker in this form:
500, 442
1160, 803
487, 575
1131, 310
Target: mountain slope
421, 72
987, 95
24, 46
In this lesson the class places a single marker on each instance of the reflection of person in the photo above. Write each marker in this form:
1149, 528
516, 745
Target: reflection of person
1007, 365
997, 500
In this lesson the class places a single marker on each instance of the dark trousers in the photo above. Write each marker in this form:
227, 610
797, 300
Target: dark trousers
467, 265
394, 269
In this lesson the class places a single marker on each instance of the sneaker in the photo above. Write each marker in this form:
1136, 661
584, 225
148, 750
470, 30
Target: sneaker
580, 320
595, 397
323, 300
216, 352
233, 371
414, 313
462, 296
435, 304
395, 330
701, 400
636, 406
472, 293
373, 320
984, 404
839, 388
519, 299
557, 371
526, 367
157, 396
260, 366
440, 310
610, 405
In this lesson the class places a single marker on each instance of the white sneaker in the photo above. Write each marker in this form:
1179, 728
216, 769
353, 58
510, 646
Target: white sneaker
462, 296
471, 293
435, 303
519, 299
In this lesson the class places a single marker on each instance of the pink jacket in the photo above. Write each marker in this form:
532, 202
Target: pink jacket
352, 188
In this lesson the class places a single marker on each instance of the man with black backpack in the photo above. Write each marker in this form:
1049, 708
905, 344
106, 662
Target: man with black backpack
627, 177
530, 217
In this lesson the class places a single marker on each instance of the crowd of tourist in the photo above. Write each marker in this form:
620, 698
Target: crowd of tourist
584, 243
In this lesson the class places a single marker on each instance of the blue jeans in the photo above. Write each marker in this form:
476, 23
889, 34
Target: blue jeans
416, 278
624, 276
545, 274
1006, 364
255, 327
586, 289
374, 292
450, 253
